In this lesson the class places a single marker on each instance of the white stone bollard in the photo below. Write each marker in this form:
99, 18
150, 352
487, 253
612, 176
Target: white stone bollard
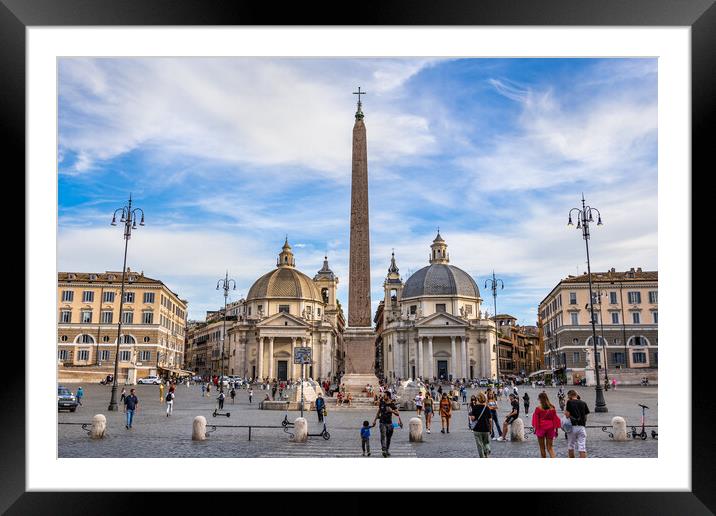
517, 430
198, 432
99, 426
619, 428
415, 426
300, 430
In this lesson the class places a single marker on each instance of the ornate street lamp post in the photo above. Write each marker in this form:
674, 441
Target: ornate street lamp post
226, 285
493, 283
584, 218
128, 216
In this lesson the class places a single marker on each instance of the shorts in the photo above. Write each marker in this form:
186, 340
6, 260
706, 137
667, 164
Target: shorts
578, 437
510, 419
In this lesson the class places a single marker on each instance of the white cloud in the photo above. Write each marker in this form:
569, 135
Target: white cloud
242, 111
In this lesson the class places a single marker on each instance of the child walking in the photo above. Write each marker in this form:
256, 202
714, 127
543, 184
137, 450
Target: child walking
365, 437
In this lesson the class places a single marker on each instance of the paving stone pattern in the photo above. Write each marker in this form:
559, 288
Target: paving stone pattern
155, 435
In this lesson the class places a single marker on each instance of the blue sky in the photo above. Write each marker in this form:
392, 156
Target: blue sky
228, 155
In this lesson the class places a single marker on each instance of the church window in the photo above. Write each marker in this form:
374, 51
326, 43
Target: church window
284, 309
413, 309
440, 307
318, 311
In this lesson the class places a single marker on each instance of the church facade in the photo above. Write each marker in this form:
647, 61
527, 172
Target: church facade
285, 309
432, 325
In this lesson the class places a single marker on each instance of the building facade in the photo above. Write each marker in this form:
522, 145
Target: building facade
518, 347
626, 319
432, 325
153, 326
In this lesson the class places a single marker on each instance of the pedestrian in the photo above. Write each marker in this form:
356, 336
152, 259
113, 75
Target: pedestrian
511, 417
79, 394
251, 395
232, 393
614, 384
560, 397
221, 400
481, 424
122, 395
170, 402
492, 406
526, 403
208, 388
576, 412
273, 390
545, 421
440, 391
320, 407
445, 413
386, 410
429, 411
161, 391
463, 392
419, 403
131, 403
365, 437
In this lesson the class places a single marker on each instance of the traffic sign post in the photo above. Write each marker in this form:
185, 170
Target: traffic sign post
302, 356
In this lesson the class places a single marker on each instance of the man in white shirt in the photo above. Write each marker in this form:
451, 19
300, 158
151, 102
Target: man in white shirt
419, 403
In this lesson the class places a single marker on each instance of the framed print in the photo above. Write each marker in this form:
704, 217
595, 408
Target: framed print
276, 241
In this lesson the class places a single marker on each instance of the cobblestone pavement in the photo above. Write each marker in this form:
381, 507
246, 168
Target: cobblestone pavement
155, 435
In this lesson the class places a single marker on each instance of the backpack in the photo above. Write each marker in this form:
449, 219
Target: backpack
169, 396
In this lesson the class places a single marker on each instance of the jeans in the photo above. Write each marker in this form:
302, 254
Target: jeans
493, 413
386, 433
320, 414
482, 439
170, 407
130, 417
365, 444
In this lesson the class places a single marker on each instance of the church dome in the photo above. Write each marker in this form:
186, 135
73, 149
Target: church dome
285, 281
440, 278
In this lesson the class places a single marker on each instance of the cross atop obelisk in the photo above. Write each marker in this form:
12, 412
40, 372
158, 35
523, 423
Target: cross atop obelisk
359, 111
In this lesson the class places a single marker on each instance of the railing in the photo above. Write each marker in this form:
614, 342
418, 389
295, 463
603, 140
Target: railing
85, 426
250, 427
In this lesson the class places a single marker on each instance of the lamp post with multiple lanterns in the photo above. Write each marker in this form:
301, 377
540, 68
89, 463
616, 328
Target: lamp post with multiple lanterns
493, 284
128, 216
226, 285
585, 216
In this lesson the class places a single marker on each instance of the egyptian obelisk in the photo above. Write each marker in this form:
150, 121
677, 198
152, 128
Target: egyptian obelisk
359, 337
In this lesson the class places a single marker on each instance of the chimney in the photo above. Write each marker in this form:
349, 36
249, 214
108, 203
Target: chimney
639, 269
613, 270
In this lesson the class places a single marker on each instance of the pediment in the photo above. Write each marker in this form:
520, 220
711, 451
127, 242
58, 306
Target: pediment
441, 319
282, 320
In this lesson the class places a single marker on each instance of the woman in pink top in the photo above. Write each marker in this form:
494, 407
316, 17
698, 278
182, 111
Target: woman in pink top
545, 422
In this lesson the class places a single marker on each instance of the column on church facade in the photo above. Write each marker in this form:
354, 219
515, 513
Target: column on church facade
431, 372
293, 366
260, 359
419, 360
465, 364
270, 359
453, 358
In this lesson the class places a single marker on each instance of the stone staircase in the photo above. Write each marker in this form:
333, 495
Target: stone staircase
357, 403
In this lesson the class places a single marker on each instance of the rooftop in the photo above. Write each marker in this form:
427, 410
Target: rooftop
613, 275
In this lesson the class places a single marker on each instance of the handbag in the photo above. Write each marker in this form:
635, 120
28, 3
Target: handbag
566, 424
473, 424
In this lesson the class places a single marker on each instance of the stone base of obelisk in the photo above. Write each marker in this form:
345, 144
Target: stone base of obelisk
360, 360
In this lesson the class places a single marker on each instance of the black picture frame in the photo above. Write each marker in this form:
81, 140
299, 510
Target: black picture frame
699, 15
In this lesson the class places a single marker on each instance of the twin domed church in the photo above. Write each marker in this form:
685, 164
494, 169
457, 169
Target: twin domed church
429, 325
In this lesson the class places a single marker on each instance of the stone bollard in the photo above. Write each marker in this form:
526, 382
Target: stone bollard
619, 428
300, 430
517, 430
99, 426
415, 426
198, 431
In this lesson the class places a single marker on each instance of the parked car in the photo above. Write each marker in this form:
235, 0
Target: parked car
66, 400
484, 382
154, 380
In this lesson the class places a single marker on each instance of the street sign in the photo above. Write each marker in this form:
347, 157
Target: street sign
302, 355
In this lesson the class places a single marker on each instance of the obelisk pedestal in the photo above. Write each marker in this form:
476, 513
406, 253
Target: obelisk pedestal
359, 337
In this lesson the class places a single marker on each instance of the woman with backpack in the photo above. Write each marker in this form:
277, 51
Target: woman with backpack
170, 402
546, 422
